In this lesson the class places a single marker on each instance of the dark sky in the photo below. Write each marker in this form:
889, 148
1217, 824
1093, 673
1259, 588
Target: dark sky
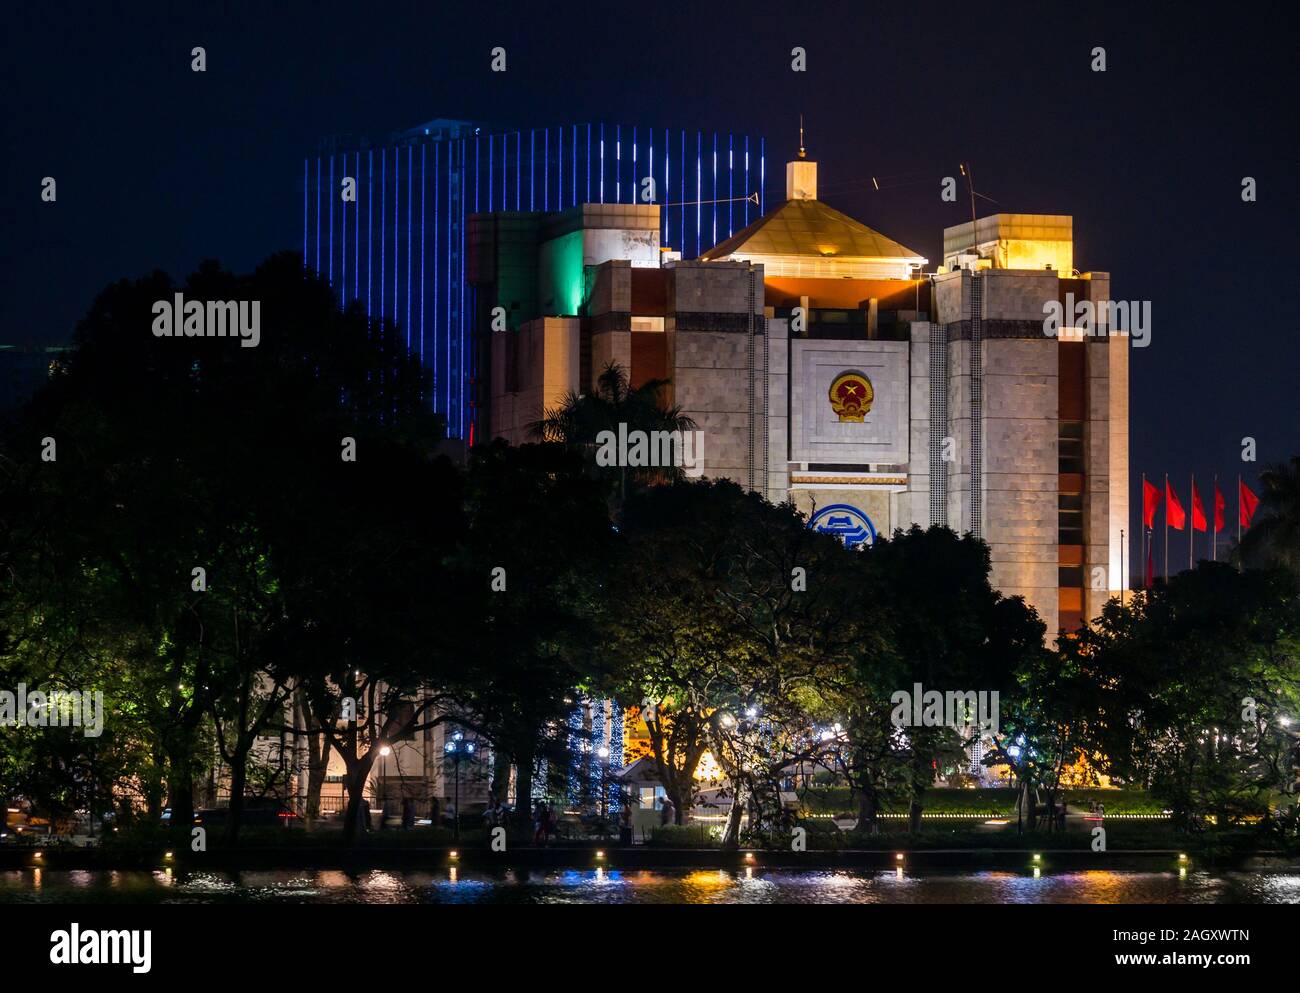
158, 166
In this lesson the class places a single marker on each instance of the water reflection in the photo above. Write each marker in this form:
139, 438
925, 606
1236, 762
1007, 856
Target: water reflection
609, 885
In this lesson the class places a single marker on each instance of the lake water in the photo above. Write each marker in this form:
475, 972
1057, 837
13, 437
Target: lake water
610, 886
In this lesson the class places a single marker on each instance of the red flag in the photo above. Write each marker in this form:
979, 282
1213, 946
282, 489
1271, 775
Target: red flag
1246, 502
1219, 506
1198, 512
1174, 513
1150, 501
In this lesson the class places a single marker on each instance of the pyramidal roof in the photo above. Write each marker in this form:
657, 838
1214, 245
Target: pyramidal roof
810, 227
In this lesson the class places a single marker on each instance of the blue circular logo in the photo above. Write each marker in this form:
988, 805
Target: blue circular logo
845, 522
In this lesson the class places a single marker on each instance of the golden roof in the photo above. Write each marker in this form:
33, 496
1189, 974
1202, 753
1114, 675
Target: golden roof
810, 227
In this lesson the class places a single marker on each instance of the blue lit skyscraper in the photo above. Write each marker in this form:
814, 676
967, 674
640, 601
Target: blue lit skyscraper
397, 246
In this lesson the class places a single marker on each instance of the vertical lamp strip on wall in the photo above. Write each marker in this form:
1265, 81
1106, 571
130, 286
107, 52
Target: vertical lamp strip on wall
370, 234
383, 228
356, 234
424, 197
731, 182
437, 163
343, 242
976, 405
409, 153
329, 266
714, 236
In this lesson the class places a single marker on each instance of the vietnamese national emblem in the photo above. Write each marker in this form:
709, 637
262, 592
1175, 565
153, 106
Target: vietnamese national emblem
851, 396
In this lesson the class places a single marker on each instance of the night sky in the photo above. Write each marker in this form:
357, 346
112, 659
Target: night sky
161, 167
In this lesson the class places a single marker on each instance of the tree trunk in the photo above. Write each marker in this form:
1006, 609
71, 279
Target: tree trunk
238, 780
524, 790
914, 814
180, 785
357, 773
500, 775
731, 834
867, 811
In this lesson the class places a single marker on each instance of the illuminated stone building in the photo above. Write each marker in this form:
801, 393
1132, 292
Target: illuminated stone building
825, 365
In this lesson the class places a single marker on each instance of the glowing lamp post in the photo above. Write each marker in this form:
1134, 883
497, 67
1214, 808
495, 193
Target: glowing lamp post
458, 749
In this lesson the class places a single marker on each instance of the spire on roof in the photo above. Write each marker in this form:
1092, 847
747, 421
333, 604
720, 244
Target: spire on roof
803, 154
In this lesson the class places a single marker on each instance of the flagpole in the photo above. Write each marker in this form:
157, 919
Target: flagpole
1144, 530
1215, 501
1166, 528
1123, 577
1191, 525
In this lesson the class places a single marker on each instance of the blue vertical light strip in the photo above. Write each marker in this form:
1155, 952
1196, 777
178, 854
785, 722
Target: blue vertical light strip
618, 163
460, 382
451, 168
356, 236
589, 163
397, 228
714, 237
409, 153
699, 189
383, 229
683, 196
306, 210
437, 160
746, 180
546, 170
424, 196
668, 190
532, 169
519, 170
343, 240
602, 163
491, 177
731, 182
370, 233
318, 215
476, 173
559, 133
574, 170
762, 176
330, 194
635, 181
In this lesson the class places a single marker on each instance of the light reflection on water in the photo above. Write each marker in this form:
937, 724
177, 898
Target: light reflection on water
615, 886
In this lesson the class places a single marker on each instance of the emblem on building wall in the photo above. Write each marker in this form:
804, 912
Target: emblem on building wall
851, 396
846, 522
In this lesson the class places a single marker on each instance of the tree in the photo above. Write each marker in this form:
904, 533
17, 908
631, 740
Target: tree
169, 532
1274, 535
579, 420
1197, 680
529, 591
949, 630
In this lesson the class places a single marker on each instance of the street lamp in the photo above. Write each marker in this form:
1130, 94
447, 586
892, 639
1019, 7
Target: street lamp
458, 749
603, 753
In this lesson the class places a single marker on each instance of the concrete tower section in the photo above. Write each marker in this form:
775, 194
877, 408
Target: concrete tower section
1036, 415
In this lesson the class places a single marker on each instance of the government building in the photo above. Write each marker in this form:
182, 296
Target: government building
825, 364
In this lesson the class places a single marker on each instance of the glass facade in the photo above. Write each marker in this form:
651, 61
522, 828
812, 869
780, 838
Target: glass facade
385, 221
